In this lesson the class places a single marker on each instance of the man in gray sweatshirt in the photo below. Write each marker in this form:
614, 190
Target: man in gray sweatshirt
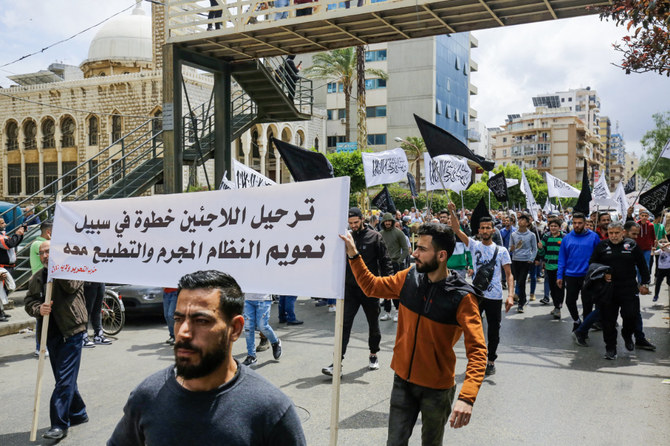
523, 247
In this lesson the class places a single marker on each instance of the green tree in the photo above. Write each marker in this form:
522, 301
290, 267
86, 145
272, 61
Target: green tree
349, 164
414, 146
653, 142
648, 48
340, 66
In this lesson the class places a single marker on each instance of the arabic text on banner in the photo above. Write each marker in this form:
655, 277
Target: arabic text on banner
385, 167
456, 174
281, 239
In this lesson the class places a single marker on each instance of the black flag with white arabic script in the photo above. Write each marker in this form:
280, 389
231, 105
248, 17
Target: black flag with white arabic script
498, 185
383, 201
440, 142
304, 165
656, 198
585, 195
630, 185
412, 185
480, 211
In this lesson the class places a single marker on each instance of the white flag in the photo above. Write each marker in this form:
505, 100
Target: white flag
531, 204
559, 188
385, 167
665, 153
548, 207
456, 174
602, 198
622, 201
246, 177
511, 182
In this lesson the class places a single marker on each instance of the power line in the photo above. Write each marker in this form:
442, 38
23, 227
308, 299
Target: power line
65, 40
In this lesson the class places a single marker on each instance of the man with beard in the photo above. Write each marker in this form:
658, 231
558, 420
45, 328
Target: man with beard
436, 308
604, 219
482, 253
372, 249
398, 248
207, 397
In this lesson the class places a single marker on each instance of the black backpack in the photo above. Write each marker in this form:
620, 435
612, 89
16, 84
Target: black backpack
484, 274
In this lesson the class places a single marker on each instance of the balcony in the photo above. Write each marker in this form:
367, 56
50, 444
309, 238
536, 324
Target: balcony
474, 135
242, 30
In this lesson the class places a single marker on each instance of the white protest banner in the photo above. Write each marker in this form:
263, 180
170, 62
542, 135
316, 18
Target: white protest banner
559, 188
622, 201
385, 167
226, 184
281, 239
511, 182
531, 204
601, 197
456, 174
247, 177
549, 208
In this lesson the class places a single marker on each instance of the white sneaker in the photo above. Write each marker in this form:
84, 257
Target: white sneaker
395, 317
331, 309
374, 363
385, 317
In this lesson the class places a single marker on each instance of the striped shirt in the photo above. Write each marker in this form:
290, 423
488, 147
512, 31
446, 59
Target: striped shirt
550, 247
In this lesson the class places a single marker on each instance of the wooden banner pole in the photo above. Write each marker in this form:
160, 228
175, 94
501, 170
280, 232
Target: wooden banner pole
40, 364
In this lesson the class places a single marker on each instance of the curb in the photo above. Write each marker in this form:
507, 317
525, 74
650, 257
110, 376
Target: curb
10, 328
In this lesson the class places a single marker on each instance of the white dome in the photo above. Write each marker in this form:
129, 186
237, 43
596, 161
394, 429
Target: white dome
126, 38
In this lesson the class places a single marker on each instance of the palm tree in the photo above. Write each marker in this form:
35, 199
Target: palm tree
340, 66
414, 146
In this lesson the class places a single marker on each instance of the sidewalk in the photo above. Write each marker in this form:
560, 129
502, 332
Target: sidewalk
19, 318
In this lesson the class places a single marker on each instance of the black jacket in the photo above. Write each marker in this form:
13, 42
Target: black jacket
622, 258
8, 243
596, 285
373, 252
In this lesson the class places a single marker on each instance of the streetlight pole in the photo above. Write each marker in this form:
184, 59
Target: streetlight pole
399, 139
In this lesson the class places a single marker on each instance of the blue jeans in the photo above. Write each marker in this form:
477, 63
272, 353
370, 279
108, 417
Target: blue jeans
287, 308
257, 316
169, 305
66, 404
281, 4
647, 259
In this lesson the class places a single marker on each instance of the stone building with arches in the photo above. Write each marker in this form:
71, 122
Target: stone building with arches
53, 120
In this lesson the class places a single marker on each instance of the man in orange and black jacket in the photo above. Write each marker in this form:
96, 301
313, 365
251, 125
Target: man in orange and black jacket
436, 307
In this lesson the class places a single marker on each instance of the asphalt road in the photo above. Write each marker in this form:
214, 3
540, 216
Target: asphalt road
547, 390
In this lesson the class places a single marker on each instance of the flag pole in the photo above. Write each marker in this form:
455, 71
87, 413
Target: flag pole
462, 204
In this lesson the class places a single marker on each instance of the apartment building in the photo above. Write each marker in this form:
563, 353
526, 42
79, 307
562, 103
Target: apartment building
429, 77
550, 139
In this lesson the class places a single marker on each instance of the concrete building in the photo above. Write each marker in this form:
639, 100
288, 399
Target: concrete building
428, 76
583, 101
553, 140
55, 119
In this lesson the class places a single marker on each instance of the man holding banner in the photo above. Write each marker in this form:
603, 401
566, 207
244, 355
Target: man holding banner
436, 308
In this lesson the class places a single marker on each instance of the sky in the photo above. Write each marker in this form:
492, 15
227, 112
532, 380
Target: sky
515, 63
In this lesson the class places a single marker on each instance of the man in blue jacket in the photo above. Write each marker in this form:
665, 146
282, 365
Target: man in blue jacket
573, 263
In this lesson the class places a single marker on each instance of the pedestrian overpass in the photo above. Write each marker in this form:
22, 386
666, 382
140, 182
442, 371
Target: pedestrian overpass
251, 29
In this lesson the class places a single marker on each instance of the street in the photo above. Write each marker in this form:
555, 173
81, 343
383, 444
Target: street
546, 391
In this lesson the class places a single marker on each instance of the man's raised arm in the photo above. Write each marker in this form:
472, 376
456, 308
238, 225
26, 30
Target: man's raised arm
456, 226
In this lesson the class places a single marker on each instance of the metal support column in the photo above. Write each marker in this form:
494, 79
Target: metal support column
173, 156
223, 129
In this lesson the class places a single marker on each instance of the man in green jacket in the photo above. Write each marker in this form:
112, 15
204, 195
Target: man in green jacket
398, 248
64, 339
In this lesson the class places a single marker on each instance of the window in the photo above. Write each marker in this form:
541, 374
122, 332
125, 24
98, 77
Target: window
562, 99
93, 129
50, 175
14, 177
378, 111
438, 106
32, 178
335, 87
448, 111
67, 128
456, 115
569, 99
329, 113
374, 56
30, 133
341, 113
458, 63
373, 84
117, 170
48, 134
117, 125
12, 131
316, 143
504, 139
464, 119
69, 178
333, 140
377, 139
157, 124
448, 84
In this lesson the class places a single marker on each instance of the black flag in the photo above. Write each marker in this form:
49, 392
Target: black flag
498, 185
630, 185
412, 185
656, 198
383, 201
304, 165
440, 142
585, 195
480, 211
